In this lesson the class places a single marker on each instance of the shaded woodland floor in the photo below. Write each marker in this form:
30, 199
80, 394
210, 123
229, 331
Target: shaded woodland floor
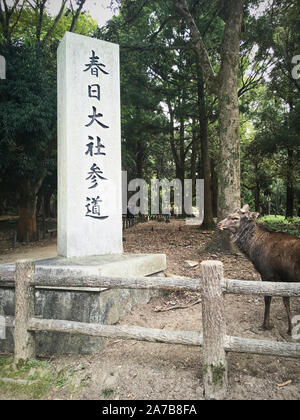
135, 370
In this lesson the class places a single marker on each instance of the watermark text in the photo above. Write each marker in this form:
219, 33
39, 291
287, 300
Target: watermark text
296, 329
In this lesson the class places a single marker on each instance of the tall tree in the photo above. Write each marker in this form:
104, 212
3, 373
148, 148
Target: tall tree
225, 86
28, 38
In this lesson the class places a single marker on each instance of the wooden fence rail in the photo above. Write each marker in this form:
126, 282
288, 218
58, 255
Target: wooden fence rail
7, 278
214, 340
167, 283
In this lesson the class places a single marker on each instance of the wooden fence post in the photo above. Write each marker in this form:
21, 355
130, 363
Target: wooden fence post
214, 331
24, 310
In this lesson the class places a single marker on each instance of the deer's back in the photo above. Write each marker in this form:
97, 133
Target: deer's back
276, 256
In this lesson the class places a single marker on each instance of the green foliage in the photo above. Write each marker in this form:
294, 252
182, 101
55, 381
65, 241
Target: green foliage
36, 374
160, 76
29, 38
35, 379
27, 114
143, 120
270, 164
281, 224
107, 392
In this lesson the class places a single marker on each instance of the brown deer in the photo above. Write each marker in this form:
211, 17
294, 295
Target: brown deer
275, 255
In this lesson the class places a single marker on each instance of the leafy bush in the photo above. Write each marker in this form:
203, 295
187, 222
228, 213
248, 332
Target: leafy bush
280, 223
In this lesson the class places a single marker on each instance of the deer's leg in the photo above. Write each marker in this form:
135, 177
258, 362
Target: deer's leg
266, 324
286, 301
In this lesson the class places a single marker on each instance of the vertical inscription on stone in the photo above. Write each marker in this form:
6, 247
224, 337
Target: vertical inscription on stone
89, 148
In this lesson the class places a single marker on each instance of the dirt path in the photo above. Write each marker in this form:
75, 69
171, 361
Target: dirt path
134, 370
38, 251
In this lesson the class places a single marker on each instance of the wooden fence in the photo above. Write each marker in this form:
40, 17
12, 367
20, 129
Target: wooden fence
214, 341
128, 222
9, 238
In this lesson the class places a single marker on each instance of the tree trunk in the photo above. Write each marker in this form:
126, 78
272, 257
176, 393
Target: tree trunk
27, 209
257, 198
195, 145
140, 157
47, 204
229, 188
27, 221
225, 86
176, 158
229, 164
290, 193
256, 188
208, 222
179, 158
40, 201
172, 135
181, 172
2, 203
214, 182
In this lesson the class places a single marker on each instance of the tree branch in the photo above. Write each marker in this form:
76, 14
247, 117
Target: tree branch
202, 54
18, 17
172, 139
27, 1
155, 34
41, 6
75, 17
5, 15
52, 27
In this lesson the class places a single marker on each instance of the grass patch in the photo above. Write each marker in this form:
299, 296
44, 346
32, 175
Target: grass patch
40, 376
34, 391
34, 372
281, 224
107, 392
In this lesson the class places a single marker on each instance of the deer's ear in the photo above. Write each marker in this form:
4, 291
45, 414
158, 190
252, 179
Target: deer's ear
245, 209
254, 215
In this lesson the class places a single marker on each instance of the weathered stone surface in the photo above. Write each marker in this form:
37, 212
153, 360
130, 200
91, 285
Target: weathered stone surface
107, 265
89, 148
104, 265
191, 264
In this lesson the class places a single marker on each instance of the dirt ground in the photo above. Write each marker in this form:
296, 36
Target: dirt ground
130, 370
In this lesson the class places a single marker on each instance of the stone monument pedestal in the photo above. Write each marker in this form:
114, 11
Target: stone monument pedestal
91, 305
